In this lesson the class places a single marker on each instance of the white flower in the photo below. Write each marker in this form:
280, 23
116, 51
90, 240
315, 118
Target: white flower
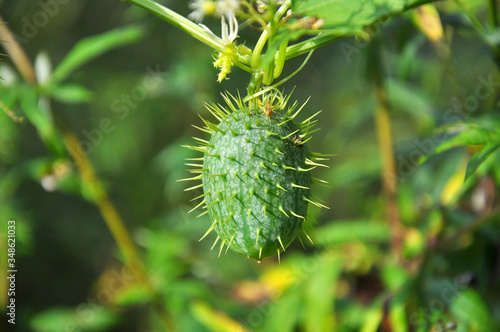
229, 32
201, 8
227, 7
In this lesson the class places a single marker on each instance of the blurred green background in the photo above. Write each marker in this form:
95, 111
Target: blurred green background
133, 107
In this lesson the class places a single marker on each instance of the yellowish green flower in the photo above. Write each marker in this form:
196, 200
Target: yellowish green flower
229, 52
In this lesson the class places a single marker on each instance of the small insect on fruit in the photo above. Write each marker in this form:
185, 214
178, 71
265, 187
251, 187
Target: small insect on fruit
269, 109
255, 174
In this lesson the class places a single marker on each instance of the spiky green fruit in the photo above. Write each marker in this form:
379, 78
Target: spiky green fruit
256, 176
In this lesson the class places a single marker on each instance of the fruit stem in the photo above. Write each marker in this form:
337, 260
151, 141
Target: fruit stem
254, 86
255, 60
280, 60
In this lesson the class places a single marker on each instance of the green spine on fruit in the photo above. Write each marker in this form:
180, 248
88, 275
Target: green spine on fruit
255, 175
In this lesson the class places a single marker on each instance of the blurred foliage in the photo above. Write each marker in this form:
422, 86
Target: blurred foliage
130, 86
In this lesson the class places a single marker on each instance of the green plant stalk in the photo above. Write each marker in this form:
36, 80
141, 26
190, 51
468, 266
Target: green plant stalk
176, 20
493, 13
323, 38
185, 25
254, 94
280, 60
384, 136
112, 218
473, 19
272, 31
251, 60
311, 44
17, 55
255, 59
389, 178
92, 47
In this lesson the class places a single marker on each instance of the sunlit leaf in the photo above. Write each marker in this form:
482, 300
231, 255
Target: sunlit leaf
427, 19
470, 308
469, 135
131, 295
85, 318
320, 293
285, 313
397, 315
373, 317
394, 276
343, 231
215, 320
453, 186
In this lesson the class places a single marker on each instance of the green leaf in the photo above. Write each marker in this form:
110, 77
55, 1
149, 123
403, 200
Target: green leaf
405, 98
479, 157
470, 308
471, 135
397, 316
394, 276
352, 14
85, 318
41, 120
285, 315
71, 93
132, 295
91, 47
215, 320
351, 230
373, 316
319, 293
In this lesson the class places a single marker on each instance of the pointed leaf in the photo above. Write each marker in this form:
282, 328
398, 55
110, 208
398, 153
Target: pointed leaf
71, 93
215, 320
470, 308
373, 316
91, 47
85, 318
351, 230
285, 315
319, 294
472, 135
479, 157
426, 18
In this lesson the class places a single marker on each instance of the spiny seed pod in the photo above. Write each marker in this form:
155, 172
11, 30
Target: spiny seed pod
255, 175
